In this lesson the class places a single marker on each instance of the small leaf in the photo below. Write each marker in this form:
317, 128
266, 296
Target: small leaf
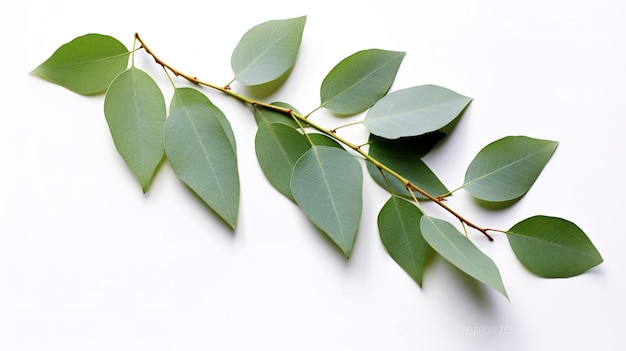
414, 111
359, 80
461, 252
278, 148
267, 51
404, 157
399, 228
201, 152
507, 168
85, 65
135, 111
553, 247
327, 185
265, 115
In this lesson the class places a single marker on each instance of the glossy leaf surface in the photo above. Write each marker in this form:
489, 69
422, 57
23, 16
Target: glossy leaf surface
360, 80
85, 65
135, 111
327, 186
201, 152
267, 51
414, 111
278, 148
399, 228
553, 247
461, 252
507, 168
405, 157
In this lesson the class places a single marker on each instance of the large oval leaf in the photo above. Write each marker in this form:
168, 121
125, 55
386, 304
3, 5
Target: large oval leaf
399, 228
267, 51
327, 186
360, 80
507, 168
461, 252
404, 156
278, 148
135, 111
201, 152
85, 65
414, 111
553, 247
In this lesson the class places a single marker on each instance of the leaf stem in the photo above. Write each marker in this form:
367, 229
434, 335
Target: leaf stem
331, 133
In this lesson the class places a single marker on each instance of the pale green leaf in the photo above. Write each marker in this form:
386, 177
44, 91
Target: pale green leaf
360, 80
404, 157
278, 148
267, 51
201, 152
507, 168
414, 111
399, 228
327, 185
135, 111
444, 238
85, 65
553, 247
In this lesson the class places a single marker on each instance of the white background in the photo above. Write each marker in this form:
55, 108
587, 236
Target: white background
87, 262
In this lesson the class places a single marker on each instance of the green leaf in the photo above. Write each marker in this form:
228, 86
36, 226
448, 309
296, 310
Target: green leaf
266, 115
327, 185
404, 157
267, 51
461, 252
359, 80
135, 111
323, 140
201, 152
85, 65
399, 228
507, 168
414, 111
553, 247
278, 148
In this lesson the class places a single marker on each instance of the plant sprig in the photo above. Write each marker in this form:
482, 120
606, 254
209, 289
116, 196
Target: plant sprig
317, 169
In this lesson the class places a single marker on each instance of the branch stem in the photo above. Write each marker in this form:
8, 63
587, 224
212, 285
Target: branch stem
331, 133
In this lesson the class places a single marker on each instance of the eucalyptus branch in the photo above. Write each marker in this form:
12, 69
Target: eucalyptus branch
329, 132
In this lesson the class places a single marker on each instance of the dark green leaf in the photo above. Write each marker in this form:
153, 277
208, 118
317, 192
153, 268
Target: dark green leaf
327, 185
135, 111
267, 51
553, 247
85, 65
414, 111
399, 228
507, 168
359, 80
201, 152
278, 148
404, 157
461, 252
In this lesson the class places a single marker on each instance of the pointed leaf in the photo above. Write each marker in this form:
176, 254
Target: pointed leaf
404, 157
278, 148
507, 168
359, 80
265, 115
327, 185
85, 65
135, 111
414, 111
461, 252
399, 228
553, 247
201, 152
267, 51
